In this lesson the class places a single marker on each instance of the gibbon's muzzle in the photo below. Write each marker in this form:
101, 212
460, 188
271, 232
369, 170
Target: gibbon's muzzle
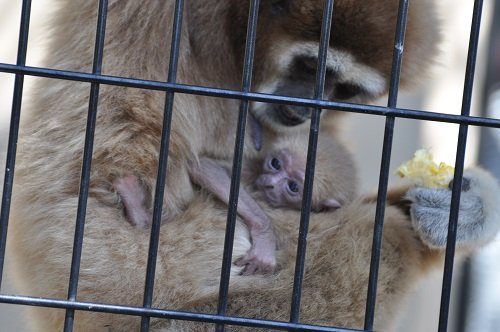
291, 115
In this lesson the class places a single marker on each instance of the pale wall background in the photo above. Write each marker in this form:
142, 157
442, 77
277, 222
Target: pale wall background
442, 93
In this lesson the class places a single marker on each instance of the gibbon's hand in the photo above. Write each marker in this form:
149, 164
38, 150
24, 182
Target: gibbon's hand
479, 211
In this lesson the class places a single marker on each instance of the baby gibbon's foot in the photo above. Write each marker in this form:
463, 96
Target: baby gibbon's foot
479, 211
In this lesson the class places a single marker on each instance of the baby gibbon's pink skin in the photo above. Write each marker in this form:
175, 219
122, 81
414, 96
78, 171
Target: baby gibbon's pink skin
133, 197
282, 181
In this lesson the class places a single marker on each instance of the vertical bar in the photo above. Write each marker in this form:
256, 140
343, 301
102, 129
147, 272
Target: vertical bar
489, 157
459, 167
22, 49
162, 165
310, 164
86, 164
237, 158
464, 299
385, 163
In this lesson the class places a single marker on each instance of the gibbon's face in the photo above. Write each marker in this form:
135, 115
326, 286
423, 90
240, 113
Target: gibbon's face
358, 61
281, 179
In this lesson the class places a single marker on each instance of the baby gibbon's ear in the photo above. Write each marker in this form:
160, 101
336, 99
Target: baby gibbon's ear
329, 203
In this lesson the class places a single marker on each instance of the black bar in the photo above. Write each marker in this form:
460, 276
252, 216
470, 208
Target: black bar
459, 167
252, 96
162, 165
237, 159
397, 59
22, 49
311, 159
489, 158
86, 164
165, 314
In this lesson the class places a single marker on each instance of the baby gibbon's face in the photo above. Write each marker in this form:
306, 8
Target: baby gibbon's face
282, 179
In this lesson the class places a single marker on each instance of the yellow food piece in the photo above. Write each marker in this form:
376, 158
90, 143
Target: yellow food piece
422, 170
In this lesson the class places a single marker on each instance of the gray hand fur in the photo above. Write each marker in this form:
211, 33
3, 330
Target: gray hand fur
479, 211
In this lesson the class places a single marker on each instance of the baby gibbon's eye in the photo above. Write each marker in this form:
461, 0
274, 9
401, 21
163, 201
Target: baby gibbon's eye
293, 186
275, 164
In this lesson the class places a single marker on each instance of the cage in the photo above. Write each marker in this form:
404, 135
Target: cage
389, 112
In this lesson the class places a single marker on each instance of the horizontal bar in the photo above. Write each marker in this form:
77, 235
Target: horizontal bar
251, 96
160, 313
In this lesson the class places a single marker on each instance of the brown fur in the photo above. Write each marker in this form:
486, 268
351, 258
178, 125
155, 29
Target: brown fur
336, 267
129, 120
395, 196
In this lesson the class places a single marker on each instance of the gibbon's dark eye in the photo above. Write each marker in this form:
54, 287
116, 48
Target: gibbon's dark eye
278, 6
310, 64
293, 186
346, 91
276, 164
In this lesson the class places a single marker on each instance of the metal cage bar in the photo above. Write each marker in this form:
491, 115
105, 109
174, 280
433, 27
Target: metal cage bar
14, 131
397, 112
397, 60
162, 165
237, 161
86, 164
459, 167
166, 314
310, 163
489, 158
